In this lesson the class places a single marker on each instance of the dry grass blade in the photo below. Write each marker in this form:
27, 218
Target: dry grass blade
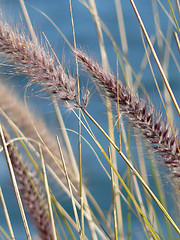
156, 58
70, 189
28, 125
66, 141
74, 164
31, 191
174, 17
4, 233
79, 129
113, 200
178, 6
177, 40
88, 217
137, 175
124, 43
14, 183
28, 21
121, 180
6, 215
105, 65
53, 228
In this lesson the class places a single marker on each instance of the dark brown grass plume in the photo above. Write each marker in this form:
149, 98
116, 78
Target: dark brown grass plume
139, 112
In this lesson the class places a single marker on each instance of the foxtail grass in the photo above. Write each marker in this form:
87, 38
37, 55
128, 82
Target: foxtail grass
40, 64
139, 112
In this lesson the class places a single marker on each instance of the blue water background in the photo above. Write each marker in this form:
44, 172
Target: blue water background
86, 37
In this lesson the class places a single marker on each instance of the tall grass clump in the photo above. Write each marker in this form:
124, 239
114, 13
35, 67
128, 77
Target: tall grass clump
137, 150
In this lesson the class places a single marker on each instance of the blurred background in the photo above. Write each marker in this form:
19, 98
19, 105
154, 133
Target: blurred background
86, 38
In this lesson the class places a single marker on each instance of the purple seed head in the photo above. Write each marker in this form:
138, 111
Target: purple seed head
158, 134
37, 63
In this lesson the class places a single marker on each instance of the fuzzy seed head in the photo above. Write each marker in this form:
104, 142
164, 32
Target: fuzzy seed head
37, 63
158, 134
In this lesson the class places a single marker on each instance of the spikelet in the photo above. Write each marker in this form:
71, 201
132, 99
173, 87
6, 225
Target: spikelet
158, 134
37, 63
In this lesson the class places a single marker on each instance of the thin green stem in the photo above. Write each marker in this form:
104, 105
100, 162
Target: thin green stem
70, 188
45, 180
172, 11
154, 234
14, 183
135, 172
5, 234
155, 57
6, 215
129, 186
79, 136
